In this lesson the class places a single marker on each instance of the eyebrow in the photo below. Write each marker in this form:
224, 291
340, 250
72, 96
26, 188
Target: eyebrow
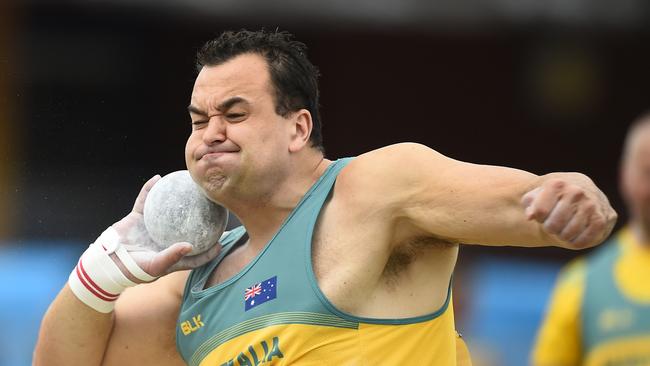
196, 110
225, 105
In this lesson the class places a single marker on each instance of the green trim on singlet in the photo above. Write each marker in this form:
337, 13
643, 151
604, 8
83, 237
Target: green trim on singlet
286, 257
197, 292
388, 321
267, 321
221, 306
228, 240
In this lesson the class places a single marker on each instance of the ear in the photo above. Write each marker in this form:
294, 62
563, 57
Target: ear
300, 130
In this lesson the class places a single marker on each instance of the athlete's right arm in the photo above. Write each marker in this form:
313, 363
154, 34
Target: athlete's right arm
141, 330
72, 333
145, 324
80, 327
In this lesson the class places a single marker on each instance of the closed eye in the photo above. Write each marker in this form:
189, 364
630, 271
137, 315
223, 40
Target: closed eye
236, 117
199, 124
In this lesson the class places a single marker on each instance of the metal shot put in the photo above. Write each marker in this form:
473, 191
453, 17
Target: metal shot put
177, 210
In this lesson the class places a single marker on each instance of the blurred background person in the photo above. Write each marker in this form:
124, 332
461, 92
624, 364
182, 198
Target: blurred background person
599, 313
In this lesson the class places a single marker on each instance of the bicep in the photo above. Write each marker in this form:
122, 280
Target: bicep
427, 193
144, 331
473, 204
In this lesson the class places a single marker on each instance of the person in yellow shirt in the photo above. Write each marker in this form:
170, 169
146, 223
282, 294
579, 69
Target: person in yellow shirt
599, 313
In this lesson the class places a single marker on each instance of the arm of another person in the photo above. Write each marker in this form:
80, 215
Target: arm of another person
559, 339
424, 193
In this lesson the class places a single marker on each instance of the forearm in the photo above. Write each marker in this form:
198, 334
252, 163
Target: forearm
489, 205
558, 209
72, 333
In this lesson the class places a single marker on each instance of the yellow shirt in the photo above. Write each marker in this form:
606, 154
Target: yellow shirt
561, 340
273, 311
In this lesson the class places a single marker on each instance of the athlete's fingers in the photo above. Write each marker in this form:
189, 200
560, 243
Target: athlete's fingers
163, 260
595, 232
194, 261
540, 201
138, 206
576, 225
560, 215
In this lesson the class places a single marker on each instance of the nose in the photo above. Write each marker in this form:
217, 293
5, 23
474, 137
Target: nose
215, 131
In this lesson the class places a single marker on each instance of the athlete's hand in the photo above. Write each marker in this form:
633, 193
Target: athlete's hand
135, 238
570, 207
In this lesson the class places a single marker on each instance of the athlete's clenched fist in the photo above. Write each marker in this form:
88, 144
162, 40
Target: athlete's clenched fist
570, 207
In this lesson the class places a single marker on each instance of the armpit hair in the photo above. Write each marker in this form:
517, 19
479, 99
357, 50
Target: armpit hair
404, 254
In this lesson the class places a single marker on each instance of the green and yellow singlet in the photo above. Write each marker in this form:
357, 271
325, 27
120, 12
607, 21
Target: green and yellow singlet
600, 310
273, 312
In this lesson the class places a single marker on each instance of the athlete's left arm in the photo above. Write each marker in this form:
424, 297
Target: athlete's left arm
424, 193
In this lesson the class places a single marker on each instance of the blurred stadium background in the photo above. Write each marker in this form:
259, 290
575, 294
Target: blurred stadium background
93, 98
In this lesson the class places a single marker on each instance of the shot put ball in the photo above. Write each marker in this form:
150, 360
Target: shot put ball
177, 210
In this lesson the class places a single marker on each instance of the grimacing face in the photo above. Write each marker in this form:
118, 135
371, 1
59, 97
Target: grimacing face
238, 144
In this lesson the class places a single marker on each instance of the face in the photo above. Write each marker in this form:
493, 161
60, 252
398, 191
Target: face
636, 177
239, 145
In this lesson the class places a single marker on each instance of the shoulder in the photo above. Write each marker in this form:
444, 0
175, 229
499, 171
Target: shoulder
573, 273
601, 256
388, 170
397, 176
568, 291
406, 156
361, 184
371, 190
609, 248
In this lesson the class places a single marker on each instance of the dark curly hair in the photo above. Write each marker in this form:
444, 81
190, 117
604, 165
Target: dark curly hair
294, 77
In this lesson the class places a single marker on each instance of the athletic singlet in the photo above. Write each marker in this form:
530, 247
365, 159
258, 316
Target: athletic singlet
273, 313
599, 314
615, 327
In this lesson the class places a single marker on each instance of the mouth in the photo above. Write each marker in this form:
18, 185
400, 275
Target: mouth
216, 155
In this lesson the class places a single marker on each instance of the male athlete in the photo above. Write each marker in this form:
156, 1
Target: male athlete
345, 262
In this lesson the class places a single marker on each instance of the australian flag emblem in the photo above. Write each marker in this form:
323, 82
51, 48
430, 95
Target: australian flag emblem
260, 293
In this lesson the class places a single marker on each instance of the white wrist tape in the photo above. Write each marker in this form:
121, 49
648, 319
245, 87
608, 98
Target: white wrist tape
97, 280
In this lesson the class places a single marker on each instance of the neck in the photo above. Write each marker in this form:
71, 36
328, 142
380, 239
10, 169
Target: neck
262, 218
641, 233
